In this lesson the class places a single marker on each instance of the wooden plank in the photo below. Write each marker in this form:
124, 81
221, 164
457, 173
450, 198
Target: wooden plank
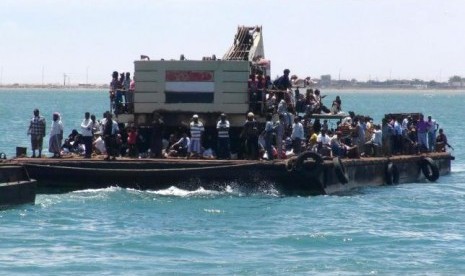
235, 98
143, 76
149, 87
148, 98
229, 76
192, 107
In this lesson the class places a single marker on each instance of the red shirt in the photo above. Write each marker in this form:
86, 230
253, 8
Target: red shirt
132, 137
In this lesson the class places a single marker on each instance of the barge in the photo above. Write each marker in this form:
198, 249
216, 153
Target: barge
306, 174
16, 186
175, 90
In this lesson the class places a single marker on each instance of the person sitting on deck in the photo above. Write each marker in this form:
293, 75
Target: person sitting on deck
323, 141
99, 145
441, 141
180, 148
321, 108
71, 144
336, 106
338, 148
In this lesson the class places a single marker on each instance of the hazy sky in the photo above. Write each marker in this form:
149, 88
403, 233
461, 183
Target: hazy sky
354, 39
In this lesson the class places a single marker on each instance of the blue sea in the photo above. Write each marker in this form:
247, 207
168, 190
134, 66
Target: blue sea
409, 229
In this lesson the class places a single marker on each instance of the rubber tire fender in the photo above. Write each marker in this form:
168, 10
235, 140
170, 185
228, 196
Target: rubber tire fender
290, 164
313, 155
391, 173
430, 169
2, 155
340, 170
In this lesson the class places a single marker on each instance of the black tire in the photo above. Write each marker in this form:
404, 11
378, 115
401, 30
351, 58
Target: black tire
430, 169
2, 155
391, 174
315, 170
340, 171
290, 164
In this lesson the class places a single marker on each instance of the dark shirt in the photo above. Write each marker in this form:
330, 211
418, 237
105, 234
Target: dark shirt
282, 82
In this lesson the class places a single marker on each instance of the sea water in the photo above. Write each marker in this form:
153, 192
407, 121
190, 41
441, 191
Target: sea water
406, 229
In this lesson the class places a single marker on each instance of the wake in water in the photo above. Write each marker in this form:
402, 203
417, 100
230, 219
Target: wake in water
233, 189
223, 189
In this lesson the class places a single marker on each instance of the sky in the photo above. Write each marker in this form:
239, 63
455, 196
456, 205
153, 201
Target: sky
41, 40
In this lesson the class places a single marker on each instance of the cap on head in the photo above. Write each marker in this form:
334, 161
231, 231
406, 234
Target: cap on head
195, 116
250, 115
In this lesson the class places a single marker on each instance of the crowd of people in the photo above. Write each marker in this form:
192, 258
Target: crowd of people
290, 128
122, 93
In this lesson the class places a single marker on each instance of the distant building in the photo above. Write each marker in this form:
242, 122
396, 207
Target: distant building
325, 80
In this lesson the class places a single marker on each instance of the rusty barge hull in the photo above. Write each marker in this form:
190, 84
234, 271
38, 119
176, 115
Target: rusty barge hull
331, 177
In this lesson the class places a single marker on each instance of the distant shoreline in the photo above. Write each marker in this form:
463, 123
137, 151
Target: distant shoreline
302, 90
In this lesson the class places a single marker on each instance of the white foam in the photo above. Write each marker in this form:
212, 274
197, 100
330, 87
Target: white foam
108, 189
175, 191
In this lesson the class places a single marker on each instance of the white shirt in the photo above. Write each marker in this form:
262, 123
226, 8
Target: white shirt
223, 129
196, 130
297, 131
57, 128
324, 139
86, 127
377, 137
100, 145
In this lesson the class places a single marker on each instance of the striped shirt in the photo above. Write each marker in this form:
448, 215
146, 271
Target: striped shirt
37, 126
196, 130
223, 129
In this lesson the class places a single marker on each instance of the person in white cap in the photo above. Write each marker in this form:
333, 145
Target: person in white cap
222, 127
250, 135
196, 129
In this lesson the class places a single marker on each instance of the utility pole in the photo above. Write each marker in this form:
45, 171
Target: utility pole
64, 79
87, 76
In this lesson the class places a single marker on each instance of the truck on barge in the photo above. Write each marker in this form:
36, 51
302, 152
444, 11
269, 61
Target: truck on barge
178, 89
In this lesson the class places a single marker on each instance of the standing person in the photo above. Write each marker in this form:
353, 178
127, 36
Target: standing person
87, 135
297, 135
37, 132
130, 95
95, 124
126, 85
196, 129
433, 126
56, 136
283, 82
250, 134
113, 88
156, 141
269, 130
422, 129
110, 130
223, 137
279, 129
